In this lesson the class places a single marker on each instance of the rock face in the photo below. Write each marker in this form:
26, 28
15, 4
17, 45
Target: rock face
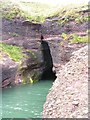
37, 64
48, 61
33, 67
68, 97
8, 70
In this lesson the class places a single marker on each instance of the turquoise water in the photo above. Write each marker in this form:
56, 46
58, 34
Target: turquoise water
25, 101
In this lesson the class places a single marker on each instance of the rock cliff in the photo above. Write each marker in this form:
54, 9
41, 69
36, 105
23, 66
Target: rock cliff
68, 97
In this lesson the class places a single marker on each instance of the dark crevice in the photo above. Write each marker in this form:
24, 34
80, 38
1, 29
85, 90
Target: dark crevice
48, 75
48, 61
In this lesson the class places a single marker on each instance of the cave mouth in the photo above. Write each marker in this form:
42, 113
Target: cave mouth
48, 75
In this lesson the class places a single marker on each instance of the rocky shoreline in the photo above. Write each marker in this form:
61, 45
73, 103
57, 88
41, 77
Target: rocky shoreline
15, 33
68, 97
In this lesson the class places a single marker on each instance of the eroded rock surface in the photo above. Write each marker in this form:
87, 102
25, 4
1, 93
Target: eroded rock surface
8, 70
68, 97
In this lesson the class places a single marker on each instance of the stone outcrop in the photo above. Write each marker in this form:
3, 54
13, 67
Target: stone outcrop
68, 97
8, 69
38, 63
32, 65
35, 65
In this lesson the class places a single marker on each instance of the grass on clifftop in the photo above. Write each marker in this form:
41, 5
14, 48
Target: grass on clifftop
38, 12
14, 52
73, 38
79, 39
69, 13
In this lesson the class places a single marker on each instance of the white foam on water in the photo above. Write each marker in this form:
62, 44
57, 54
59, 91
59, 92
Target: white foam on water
17, 108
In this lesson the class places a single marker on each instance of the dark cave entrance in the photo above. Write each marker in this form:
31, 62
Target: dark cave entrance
48, 73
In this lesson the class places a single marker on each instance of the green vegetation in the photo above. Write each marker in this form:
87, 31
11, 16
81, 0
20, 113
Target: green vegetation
72, 13
11, 11
35, 12
65, 36
32, 54
29, 75
81, 19
38, 12
73, 38
79, 39
14, 52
